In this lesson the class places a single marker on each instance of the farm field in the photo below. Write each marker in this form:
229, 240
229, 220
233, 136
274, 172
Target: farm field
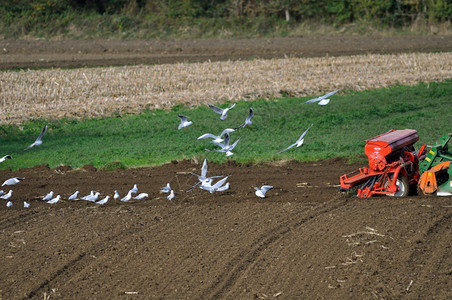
304, 241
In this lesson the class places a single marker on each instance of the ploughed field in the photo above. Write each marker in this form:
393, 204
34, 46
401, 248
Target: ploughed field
305, 240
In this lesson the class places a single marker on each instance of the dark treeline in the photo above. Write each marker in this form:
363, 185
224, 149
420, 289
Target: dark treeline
135, 13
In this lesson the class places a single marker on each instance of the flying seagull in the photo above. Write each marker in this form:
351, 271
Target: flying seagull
5, 158
38, 140
299, 142
247, 120
48, 196
13, 181
7, 196
225, 147
323, 99
216, 138
73, 196
260, 192
203, 179
184, 123
216, 186
221, 111
165, 189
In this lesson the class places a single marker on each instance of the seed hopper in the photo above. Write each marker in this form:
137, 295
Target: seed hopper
393, 165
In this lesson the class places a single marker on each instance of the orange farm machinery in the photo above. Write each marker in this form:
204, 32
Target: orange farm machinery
393, 165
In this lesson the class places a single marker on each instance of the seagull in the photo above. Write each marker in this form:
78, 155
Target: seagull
216, 186
225, 147
54, 200
127, 197
48, 196
26, 204
171, 195
224, 187
247, 120
216, 138
1, 192
38, 140
141, 196
221, 111
91, 198
7, 196
102, 201
184, 123
116, 196
9, 204
323, 99
203, 179
260, 192
87, 197
73, 196
165, 189
5, 158
134, 190
299, 142
13, 181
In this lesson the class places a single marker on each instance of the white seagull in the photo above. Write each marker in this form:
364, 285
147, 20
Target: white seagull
103, 201
215, 187
323, 99
54, 200
9, 204
38, 140
216, 138
134, 190
116, 195
73, 196
48, 196
91, 194
184, 123
1, 192
166, 188
203, 179
221, 111
26, 204
7, 196
91, 198
225, 147
260, 192
247, 120
170, 196
127, 197
224, 187
299, 142
5, 158
13, 181
141, 196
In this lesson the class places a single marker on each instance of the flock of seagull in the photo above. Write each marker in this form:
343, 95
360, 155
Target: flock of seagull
204, 182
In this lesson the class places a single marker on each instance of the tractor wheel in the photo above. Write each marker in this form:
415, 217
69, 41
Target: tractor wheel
403, 185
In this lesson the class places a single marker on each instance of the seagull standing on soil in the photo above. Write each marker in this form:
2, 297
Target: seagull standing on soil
166, 189
247, 120
26, 204
13, 181
9, 204
299, 142
221, 111
7, 196
216, 138
116, 195
5, 158
134, 190
48, 196
323, 99
54, 200
1, 192
141, 196
260, 192
184, 123
171, 195
73, 196
103, 201
38, 140
215, 187
127, 197
91, 197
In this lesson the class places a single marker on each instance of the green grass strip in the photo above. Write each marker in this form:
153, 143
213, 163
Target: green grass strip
152, 138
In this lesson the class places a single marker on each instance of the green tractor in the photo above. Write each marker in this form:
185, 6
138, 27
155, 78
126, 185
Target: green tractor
436, 169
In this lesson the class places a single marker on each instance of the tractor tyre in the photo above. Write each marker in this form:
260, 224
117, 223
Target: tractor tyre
404, 187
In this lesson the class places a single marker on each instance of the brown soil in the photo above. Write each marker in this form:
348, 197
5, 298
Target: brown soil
304, 241
67, 53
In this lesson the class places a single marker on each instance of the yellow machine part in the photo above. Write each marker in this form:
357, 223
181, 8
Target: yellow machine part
427, 183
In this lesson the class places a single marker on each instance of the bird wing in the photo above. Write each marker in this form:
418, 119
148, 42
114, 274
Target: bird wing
233, 145
216, 109
183, 118
287, 148
265, 188
250, 116
226, 140
232, 106
42, 133
329, 94
303, 134
220, 183
207, 135
204, 168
